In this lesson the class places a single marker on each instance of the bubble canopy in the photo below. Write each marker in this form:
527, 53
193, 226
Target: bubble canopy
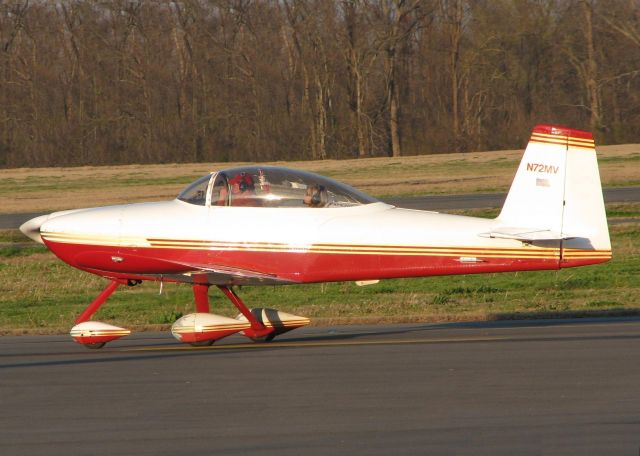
271, 186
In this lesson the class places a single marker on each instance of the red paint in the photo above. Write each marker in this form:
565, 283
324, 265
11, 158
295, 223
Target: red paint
561, 130
308, 267
95, 339
573, 263
129, 259
201, 295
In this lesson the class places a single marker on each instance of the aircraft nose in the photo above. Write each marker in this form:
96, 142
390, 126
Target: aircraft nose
31, 228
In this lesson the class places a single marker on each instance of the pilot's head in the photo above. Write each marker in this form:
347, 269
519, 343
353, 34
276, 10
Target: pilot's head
316, 196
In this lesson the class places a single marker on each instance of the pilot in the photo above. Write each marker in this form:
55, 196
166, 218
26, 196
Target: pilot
243, 190
316, 196
220, 189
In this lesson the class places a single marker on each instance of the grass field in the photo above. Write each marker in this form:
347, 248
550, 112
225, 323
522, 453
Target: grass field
38, 293
49, 189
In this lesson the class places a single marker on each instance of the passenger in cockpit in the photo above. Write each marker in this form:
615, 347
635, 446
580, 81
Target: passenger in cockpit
316, 196
243, 190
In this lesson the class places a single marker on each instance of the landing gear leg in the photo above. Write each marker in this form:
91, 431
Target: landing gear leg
94, 334
257, 331
95, 305
201, 296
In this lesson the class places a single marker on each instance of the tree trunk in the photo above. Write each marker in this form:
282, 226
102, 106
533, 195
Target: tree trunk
591, 81
394, 114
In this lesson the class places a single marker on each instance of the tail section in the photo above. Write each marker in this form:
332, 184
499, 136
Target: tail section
556, 195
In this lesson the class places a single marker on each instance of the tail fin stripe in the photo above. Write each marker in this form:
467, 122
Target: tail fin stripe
563, 140
562, 137
573, 146
548, 141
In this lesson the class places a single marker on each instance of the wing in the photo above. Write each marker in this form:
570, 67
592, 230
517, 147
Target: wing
225, 275
191, 272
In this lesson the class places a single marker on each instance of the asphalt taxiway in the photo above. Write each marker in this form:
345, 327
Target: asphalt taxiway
429, 203
536, 387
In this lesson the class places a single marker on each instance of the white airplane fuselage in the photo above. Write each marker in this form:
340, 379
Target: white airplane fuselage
298, 245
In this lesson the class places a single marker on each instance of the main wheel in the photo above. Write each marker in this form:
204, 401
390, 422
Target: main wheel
95, 346
202, 343
267, 338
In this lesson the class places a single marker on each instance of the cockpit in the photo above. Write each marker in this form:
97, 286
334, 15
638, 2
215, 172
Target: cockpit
270, 186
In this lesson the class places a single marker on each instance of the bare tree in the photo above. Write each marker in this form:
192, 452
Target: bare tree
399, 18
454, 18
199, 80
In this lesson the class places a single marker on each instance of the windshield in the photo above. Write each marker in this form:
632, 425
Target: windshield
196, 192
268, 186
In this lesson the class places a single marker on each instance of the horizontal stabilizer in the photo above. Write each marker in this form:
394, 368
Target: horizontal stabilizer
524, 234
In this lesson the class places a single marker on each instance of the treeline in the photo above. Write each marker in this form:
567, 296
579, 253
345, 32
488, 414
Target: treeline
101, 82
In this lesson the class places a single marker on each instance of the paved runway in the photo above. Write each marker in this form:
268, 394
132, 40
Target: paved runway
550, 387
482, 200
430, 203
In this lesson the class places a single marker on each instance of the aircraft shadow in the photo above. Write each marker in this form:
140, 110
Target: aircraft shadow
505, 320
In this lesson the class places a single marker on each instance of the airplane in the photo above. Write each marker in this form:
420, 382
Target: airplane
265, 225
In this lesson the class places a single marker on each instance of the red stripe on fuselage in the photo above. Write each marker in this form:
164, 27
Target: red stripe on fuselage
294, 266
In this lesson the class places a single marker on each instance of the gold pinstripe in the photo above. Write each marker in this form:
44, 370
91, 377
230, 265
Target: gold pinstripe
94, 332
571, 141
563, 138
94, 240
285, 323
532, 253
209, 328
564, 144
334, 247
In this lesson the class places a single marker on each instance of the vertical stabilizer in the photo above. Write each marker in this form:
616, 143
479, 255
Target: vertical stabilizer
557, 194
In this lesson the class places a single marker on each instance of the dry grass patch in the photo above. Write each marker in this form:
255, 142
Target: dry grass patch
49, 189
